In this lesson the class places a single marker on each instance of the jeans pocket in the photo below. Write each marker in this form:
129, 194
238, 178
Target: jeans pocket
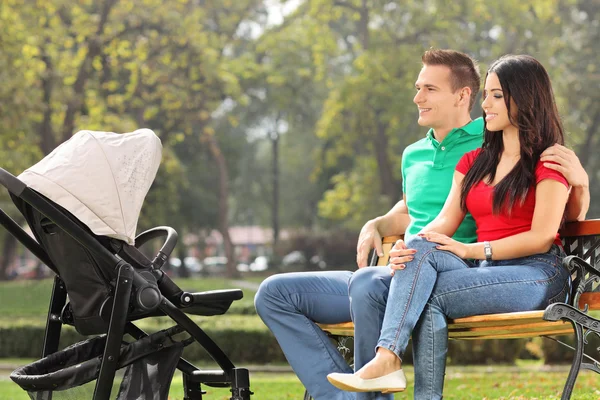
561, 297
557, 251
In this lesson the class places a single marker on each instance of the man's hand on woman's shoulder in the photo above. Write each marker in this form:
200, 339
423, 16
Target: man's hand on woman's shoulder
567, 163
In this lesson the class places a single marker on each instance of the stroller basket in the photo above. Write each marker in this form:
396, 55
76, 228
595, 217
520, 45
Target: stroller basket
150, 359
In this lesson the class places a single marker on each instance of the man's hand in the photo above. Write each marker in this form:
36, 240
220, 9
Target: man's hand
368, 238
400, 254
567, 163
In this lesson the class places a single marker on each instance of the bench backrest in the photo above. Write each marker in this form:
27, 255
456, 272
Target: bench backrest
582, 239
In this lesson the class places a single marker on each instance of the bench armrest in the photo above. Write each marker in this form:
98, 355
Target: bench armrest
590, 227
388, 243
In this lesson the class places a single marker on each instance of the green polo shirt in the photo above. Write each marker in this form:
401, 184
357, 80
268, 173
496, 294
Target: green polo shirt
427, 170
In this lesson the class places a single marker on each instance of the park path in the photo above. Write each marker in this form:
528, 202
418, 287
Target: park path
245, 284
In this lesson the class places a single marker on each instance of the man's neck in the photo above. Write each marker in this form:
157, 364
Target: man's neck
440, 133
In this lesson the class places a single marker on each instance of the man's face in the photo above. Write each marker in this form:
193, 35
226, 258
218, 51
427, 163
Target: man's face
435, 98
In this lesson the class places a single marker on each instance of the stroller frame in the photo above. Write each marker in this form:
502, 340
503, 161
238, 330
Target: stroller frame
130, 287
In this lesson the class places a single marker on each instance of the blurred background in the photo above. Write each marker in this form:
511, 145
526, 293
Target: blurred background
283, 122
283, 125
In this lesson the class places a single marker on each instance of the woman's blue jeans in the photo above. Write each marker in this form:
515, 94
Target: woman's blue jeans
437, 285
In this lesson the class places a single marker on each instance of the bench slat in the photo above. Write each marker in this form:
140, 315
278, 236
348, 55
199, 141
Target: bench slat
506, 329
494, 326
517, 317
519, 335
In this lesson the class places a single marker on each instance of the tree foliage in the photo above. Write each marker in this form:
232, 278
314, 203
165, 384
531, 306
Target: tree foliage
319, 102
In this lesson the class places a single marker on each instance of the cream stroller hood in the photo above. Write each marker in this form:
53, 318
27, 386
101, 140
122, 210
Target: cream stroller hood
100, 177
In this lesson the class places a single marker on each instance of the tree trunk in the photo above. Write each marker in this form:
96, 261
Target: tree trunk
94, 44
389, 186
183, 271
9, 250
48, 141
223, 178
589, 161
363, 25
586, 147
275, 206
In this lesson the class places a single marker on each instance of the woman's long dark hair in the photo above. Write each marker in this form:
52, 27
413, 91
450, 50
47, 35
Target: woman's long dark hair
526, 82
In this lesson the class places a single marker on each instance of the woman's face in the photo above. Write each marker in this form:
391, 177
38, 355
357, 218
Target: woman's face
494, 107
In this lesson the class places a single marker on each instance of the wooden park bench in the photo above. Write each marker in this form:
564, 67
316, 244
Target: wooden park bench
582, 245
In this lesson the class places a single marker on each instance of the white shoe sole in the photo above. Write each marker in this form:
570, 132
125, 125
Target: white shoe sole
356, 388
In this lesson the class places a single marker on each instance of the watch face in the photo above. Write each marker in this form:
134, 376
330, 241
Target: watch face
487, 249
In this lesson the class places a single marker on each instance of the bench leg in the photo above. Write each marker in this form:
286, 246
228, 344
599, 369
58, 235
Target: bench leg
583, 325
577, 360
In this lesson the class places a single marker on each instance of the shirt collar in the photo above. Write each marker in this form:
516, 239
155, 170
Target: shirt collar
473, 128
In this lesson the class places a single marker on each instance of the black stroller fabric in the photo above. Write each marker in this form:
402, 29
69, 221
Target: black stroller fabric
87, 283
150, 362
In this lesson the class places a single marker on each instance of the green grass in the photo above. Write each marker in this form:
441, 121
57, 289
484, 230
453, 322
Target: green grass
468, 383
23, 299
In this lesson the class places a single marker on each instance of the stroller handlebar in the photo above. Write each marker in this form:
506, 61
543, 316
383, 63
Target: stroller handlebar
167, 247
11, 182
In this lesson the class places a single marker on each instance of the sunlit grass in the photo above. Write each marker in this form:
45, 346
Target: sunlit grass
469, 383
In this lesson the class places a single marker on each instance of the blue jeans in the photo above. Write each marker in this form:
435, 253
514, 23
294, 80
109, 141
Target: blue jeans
290, 305
438, 285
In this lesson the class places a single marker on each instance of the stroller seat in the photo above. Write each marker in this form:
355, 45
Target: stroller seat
109, 284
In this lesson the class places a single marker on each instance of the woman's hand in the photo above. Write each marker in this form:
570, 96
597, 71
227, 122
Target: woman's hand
447, 243
400, 254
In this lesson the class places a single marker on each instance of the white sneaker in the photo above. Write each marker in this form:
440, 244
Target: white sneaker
390, 383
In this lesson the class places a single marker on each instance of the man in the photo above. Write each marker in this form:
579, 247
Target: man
291, 304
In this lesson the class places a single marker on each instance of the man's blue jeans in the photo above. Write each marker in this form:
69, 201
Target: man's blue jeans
438, 285
290, 305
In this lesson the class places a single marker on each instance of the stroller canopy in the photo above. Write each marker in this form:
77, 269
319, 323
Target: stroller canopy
100, 177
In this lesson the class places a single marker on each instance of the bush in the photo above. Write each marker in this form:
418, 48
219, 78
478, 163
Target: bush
337, 249
251, 347
244, 341
473, 352
242, 346
27, 341
556, 353
502, 351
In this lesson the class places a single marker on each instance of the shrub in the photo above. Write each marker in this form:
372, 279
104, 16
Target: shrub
242, 346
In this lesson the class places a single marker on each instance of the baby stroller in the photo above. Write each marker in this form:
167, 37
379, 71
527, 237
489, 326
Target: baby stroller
82, 203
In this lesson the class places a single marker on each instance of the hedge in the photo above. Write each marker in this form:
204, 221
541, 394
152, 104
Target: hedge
258, 346
249, 346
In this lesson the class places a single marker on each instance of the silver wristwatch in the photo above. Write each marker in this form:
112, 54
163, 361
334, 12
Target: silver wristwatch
487, 249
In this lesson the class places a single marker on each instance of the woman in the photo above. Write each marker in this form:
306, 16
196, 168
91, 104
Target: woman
517, 203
